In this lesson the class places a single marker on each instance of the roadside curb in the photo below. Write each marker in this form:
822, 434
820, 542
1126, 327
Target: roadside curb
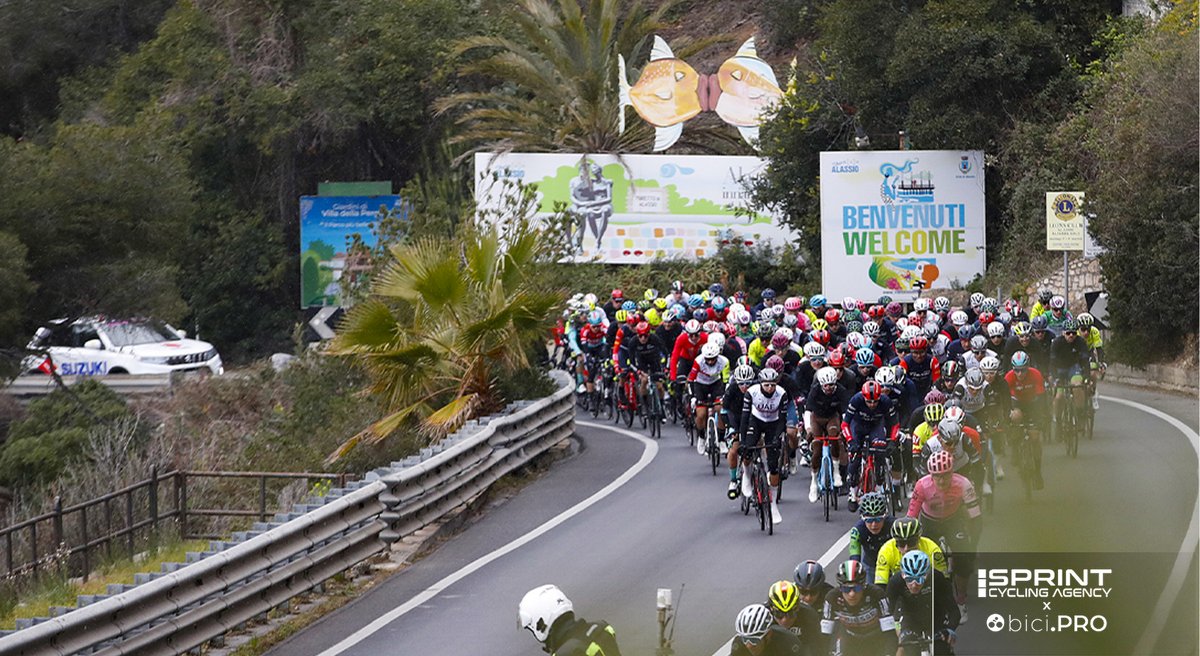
1163, 377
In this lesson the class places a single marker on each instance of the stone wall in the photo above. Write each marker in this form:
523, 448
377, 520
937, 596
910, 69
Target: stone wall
1085, 277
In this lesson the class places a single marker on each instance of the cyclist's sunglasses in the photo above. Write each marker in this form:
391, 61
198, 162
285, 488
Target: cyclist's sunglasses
851, 588
908, 544
753, 641
874, 520
919, 580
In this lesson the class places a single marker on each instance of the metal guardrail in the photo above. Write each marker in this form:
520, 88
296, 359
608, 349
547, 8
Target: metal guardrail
235, 582
31, 386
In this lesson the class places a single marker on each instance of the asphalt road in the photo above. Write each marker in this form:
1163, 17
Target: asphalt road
1131, 491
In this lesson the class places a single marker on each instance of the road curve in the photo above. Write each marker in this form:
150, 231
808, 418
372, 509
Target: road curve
1133, 488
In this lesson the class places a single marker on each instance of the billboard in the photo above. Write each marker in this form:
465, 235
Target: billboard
1066, 227
897, 222
636, 208
326, 226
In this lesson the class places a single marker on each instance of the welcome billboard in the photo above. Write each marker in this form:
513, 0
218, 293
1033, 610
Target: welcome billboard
636, 208
897, 222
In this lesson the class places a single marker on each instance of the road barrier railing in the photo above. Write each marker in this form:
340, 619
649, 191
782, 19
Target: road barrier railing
188, 604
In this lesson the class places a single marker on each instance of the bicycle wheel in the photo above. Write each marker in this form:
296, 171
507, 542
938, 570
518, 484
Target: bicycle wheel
1071, 432
714, 455
656, 417
760, 500
1027, 468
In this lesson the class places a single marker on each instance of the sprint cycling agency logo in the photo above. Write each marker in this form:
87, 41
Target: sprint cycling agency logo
1045, 587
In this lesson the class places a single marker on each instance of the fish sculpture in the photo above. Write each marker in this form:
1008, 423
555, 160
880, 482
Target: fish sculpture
744, 88
903, 274
666, 94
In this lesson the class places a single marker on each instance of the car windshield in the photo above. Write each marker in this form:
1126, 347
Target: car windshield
129, 333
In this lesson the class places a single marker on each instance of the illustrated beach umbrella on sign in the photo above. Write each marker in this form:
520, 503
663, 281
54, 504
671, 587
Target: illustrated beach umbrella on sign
666, 94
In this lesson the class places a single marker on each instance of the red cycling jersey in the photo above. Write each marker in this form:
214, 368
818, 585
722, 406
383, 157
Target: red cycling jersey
684, 349
929, 500
1027, 388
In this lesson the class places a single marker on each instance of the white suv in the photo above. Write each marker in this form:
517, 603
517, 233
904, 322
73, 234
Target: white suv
94, 346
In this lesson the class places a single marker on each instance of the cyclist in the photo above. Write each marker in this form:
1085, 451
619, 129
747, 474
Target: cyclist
1039, 344
952, 436
764, 417
730, 418
1027, 391
857, 616
870, 421
905, 537
979, 350
671, 327
825, 404
920, 367
997, 335
644, 356
1043, 303
949, 509
870, 532
836, 358
757, 634
710, 373
758, 348
923, 606
684, 351
783, 600
549, 615
1095, 345
613, 304
1069, 358
592, 339
904, 391
768, 300
812, 587
1057, 316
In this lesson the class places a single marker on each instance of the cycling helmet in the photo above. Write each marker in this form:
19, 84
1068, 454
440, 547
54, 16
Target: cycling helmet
941, 304
792, 304
958, 318
744, 318
914, 566
700, 314
954, 412
790, 320
716, 289
710, 326
827, 376
589, 299
884, 299
995, 329
918, 343
780, 341
644, 305
979, 343
832, 315
765, 331
768, 293
621, 316
1022, 329
885, 376
899, 373
850, 572
709, 351
1070, 326
893, 309
950, 369
931, 330
986, 318
677, 286
776, 311
743, 374
629, 306
596, 317
935, 396
809, 575
820, 336
864, 357
990, 365
768, 375
820, 324
739, 297
856, 340
618, 295
814, 350
719, 303
660, 303
871, 390
854, 326
695, 301
940, 462
934, 413
872, 504
632, 319
540, 608
783, 596
692, 327
774, 362
921, 305
650, 294
1085, 320
848, 303
870, 329
1058, 303
966, 332
901, 344
642, 328
836, 358
753, 622
717, 338
974, 378
976, 300
1020, 360
1044, 296
766, 314
989, 304
1040, 322
818, 301
906, 529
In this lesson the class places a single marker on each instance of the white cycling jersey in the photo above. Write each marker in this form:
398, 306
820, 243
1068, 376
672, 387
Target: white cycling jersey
707, 374
766, 408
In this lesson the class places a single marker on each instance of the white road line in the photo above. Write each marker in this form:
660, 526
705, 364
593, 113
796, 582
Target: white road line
432, 591
826, 559
1162, 609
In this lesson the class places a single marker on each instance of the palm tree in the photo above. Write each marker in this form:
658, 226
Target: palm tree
445, 319
558, 90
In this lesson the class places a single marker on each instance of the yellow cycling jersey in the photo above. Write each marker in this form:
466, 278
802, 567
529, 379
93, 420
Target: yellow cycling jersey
1093, 339
1038, 309
920, 436
757, 352
888, 561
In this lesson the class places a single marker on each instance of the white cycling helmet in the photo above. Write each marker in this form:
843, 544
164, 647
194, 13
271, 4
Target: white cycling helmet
540, 608
849, 303
709, 350
921, 305
718, 339
941, 304
692, 327
871, 329
910, 332
978, 343
990, 364
814, 350
856, 340
744, 318
955, 414
744, 374
949, 431
827, 376
995, 329
958, 318
753, 621
885, 376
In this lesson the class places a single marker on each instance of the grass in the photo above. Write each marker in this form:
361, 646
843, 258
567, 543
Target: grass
36, 600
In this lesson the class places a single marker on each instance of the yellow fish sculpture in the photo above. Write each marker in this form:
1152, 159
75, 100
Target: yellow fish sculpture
747, 88
666, 94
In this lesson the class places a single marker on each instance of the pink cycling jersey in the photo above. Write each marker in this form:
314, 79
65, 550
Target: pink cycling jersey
929, 500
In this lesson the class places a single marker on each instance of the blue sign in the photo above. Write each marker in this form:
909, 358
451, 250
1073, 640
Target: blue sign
327, 224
